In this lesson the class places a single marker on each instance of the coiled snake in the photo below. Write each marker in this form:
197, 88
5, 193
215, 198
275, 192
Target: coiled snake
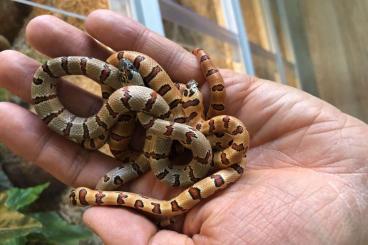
135, 87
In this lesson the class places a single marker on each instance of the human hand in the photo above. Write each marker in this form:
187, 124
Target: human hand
305, 181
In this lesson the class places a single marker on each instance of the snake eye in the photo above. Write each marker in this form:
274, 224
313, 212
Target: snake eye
130, 75
124, 63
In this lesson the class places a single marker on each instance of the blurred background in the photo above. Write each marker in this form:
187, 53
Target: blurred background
317, 46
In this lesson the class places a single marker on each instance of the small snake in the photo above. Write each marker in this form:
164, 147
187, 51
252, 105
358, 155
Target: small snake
135, 87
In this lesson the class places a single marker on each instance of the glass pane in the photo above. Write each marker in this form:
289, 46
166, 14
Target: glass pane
284, 42
264, 63
263, 57
330, 43
223, 54
291, 76
271, 53
191, 27
210, 9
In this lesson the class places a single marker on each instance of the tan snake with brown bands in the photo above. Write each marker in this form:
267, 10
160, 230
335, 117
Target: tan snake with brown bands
79, 129
93, 131
156, 78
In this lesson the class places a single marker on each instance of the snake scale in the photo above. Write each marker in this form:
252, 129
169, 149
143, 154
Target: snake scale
137, 90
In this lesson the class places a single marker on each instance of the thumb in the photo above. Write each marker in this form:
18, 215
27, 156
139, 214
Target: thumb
118, 225
121, 226
170, 237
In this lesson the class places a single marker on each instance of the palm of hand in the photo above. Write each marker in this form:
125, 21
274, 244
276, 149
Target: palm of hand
305, 177
303, 173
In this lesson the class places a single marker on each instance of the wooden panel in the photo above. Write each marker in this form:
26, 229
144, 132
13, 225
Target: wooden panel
222, 53
299, 42
352, 20
83, 7
336, 43
254, 21
263, 58
328, 56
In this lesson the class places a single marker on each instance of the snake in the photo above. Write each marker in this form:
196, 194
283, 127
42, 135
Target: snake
136, 88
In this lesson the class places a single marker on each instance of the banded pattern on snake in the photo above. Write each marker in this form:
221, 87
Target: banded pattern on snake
135, 86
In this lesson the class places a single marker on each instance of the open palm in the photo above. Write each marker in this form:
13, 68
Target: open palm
306, 177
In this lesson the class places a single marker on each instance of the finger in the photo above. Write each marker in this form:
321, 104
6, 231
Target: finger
122, 33
54, 37
16, 74
163, 236
120, 226
27, 136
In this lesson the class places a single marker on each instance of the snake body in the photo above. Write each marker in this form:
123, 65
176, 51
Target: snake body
135, 87
93, 131
167, 208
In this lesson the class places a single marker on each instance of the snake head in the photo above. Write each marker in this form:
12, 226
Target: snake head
130, 73
126, 67
125, 64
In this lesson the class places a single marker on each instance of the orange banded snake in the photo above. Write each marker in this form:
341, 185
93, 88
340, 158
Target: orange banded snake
135, 86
